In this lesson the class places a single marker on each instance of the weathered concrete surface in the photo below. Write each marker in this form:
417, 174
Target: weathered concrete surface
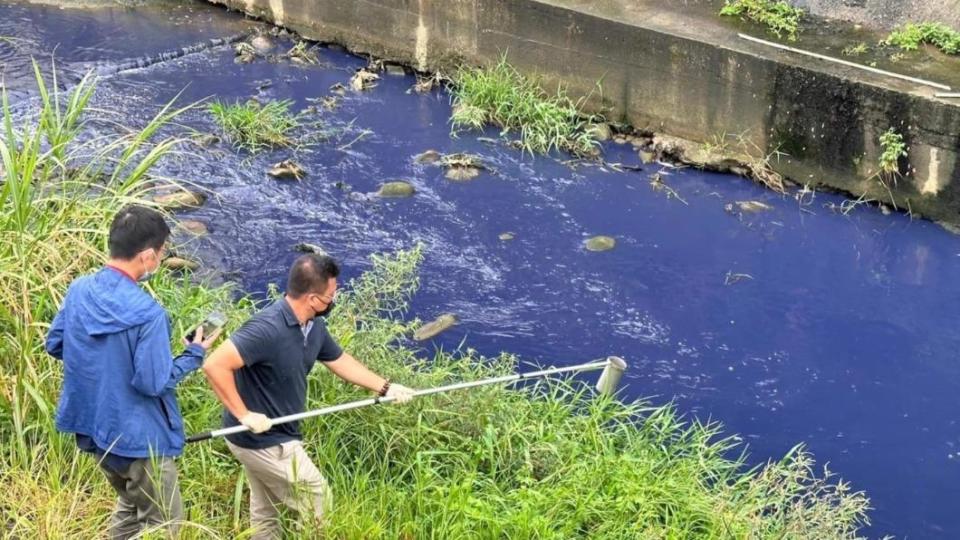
885, 13
680, 70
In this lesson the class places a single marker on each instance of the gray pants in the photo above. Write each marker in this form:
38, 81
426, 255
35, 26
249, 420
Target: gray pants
282, 476
148, 496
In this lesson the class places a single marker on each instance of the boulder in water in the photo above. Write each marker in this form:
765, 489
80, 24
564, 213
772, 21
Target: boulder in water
262, 44
179, 200
435, 326
193, 226
338, 89
430, 156
396, 189
461, 166
179, 263
304, 247
462, 174
600, 243
506, 236
395, 69
287, 169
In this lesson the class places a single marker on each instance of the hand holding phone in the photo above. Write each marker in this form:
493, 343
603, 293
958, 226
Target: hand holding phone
210, 329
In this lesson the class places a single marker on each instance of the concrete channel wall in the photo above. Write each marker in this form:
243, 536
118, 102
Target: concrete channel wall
673, 70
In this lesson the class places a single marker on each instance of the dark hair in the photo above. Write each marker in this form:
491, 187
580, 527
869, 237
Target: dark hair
310, 273
134, 229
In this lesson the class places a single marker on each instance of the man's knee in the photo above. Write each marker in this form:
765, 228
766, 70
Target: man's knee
308, 487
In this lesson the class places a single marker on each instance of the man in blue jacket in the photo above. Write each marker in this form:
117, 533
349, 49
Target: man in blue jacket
119, 375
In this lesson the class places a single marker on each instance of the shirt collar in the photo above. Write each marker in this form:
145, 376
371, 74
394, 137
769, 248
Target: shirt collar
288, 315
121, 272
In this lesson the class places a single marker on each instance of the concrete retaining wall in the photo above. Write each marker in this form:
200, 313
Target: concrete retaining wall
674, 70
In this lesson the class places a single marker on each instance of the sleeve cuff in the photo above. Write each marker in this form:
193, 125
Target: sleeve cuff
195, 349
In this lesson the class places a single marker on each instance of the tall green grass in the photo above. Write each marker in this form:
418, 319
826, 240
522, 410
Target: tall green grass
254, 127
57, 196
543, 461
780, 18
501, 96
910, 36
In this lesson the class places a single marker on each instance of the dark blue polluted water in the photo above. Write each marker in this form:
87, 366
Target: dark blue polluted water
795, 325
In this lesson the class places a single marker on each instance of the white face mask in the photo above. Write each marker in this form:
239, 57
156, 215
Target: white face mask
147, 274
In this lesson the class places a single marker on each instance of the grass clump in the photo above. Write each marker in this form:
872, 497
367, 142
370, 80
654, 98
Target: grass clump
541, 461
892, 149
780, 18
500, 95
855, 50
253, 126
910, 36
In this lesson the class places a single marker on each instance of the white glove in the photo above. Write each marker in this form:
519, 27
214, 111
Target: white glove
400, 393
257, 422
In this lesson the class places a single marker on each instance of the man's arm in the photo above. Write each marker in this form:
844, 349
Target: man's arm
54, 344
219, 368
351, 370
255, 339
155, 370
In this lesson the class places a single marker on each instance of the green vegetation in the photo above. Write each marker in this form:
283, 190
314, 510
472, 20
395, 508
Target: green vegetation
501, 96
545, 461
779, 17
893, 148
718, 144
253, 127
856, 50
912, 35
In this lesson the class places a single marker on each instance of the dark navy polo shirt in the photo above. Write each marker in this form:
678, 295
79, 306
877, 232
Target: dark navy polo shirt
277, 357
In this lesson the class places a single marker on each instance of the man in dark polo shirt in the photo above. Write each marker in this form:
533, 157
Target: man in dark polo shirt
260, 373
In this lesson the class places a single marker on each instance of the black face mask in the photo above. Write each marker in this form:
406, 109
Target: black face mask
327, 311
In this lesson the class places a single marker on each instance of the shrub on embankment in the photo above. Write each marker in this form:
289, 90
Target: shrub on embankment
546, 461
911, 36
780, 18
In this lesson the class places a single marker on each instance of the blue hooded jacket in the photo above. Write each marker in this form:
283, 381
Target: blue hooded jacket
119, 375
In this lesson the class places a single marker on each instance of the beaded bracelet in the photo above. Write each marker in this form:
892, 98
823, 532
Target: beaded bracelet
386, 387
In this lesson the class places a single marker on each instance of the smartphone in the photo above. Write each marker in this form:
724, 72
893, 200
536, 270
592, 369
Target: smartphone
213, 321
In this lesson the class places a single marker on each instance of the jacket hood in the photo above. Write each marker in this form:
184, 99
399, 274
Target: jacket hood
108, 302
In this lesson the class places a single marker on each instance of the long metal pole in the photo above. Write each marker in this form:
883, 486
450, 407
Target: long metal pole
612, 362
844, 62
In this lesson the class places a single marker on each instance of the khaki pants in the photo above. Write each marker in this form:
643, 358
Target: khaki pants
147, 496
282, 475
